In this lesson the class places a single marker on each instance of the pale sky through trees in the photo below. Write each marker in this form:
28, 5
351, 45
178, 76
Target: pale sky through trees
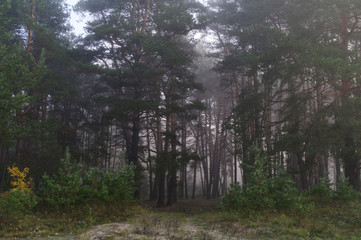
77, 20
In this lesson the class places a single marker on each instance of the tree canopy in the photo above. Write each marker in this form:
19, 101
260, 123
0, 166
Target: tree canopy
184, 91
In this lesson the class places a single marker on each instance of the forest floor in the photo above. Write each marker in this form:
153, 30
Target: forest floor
187, 219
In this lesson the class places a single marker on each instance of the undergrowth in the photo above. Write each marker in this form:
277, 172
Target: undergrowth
69, 201
253, 211
44, 223
72, 185
334, 219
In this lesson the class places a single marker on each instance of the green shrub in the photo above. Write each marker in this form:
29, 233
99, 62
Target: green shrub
16, 202
322, 190
283, 191
303, 204
70, 186
262, 191
63, 188
20, 199
110, 185
344, 190
233, 198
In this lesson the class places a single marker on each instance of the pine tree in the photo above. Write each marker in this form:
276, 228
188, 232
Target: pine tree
139, 59
302, 73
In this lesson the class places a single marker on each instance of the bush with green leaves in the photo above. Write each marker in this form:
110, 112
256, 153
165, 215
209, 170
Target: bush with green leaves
72, 185
233, 198
322, 190
262, 191
20, 199
63, 188
109, 185
16, 202
344, 190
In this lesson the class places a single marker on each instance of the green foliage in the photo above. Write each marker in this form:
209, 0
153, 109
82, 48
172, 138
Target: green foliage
63, 189
34, 75
18, 74
303, 204
233, 198
283, 59
46, 224
343, 191
263, 191
16, 202
20, 199
70, 187
110, 185
323, 189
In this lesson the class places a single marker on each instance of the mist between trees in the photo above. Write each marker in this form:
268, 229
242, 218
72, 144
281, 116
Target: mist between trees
182, 91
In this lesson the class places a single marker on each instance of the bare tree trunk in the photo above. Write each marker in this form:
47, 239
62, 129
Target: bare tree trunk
185, 183
149, 161
204, 190
197, 151
161, 160
30, 30
216, 157
209, 151
184, 147
172, 171
352, 164
338, 169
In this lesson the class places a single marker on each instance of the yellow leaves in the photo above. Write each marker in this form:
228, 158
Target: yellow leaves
19, 181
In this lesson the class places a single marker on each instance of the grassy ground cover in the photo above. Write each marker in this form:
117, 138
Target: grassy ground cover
187, 219
42, 223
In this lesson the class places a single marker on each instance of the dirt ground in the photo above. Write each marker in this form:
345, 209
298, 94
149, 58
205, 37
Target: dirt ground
182, 220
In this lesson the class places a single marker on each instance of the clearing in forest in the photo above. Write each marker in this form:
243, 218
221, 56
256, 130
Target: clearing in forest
190, 219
